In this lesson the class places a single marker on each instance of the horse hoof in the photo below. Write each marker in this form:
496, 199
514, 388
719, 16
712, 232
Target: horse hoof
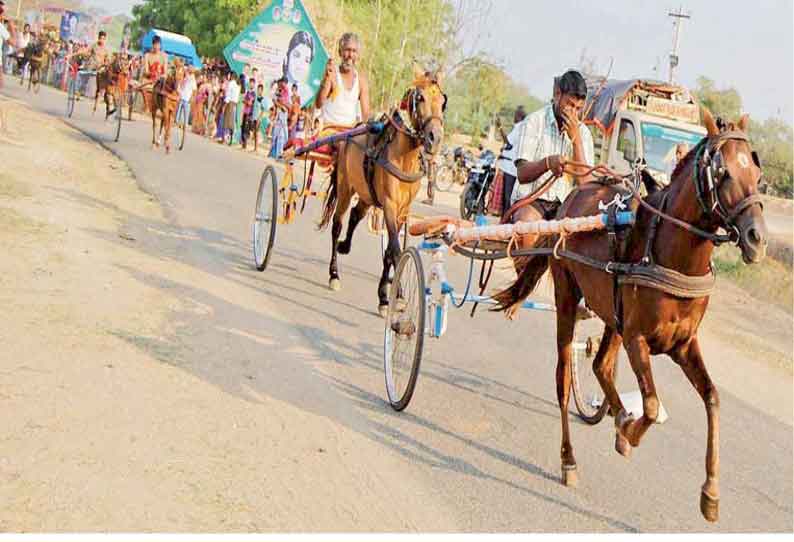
383, 310
709, 507
335, 284
343, 248
622, 445
570, 478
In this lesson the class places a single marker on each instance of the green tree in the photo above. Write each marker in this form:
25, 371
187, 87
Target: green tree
773, 140
725, 103
211, 24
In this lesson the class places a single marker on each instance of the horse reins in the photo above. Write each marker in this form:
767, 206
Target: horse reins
727, 216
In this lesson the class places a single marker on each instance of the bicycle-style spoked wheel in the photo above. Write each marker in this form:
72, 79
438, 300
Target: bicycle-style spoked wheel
587, 393
265, 218
444, 178
404, 331
70, 95
180, 132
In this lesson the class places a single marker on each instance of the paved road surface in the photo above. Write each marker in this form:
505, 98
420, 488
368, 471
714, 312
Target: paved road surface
478, 449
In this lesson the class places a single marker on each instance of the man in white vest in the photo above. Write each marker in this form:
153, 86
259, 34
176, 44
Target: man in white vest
343, 99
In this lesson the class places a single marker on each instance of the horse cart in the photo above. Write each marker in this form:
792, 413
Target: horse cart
419, 302
112, 82
280, 202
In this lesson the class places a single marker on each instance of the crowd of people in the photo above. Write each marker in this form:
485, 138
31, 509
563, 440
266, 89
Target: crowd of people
245, 109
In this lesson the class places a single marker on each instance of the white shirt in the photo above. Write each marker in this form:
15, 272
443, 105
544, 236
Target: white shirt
232, 92
343, 110
4, 35
22, 40
187, 88
539, 137
507, 164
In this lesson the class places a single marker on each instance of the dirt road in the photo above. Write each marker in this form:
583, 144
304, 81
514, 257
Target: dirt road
151, 380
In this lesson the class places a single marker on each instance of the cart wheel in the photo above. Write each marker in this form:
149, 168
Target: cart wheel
587, 394
180, 133
70, 96
404, 333
119, 105
265, 218
443, 178
468, 201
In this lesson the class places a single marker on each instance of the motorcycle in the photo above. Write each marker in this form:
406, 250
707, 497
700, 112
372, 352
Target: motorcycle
474, 200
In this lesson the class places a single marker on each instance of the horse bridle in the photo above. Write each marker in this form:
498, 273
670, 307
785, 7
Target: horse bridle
420, 133
709, 175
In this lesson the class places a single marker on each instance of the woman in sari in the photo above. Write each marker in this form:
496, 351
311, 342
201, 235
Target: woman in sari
202, 95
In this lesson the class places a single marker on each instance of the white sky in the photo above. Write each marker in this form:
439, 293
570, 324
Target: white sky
741, 43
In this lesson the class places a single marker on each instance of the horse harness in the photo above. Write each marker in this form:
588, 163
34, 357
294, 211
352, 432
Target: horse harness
708, 175
376, 154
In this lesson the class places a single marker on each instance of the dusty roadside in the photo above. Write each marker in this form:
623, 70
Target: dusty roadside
107, 423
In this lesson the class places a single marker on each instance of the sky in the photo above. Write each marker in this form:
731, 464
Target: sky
744, 44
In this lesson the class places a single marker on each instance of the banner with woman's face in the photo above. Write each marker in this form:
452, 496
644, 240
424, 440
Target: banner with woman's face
281, 42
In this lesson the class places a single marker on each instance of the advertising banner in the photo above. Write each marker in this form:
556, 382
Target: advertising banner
78, 27
281, 41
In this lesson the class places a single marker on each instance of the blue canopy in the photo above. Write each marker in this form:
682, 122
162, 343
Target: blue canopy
173, 45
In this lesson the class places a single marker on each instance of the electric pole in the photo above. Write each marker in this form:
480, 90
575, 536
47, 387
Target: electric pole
678, 18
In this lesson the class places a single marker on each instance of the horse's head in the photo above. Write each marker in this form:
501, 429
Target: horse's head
726, 180
426, 103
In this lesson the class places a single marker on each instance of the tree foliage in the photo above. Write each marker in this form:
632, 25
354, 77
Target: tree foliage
771, 139
437, 34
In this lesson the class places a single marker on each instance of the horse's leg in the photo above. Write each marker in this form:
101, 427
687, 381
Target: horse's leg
343, 202
566, 300
356, 214
604, 369
640, 358
168, 122
390, 256
690, 359
154, 125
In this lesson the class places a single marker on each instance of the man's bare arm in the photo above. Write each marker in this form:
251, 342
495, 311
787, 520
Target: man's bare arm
363, 86
571, 126
530, 171
327, 85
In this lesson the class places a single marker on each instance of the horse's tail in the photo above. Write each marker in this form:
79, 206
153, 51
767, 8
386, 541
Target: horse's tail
529, 275
329, 205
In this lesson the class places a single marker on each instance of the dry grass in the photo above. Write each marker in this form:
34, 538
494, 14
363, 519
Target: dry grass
770, 281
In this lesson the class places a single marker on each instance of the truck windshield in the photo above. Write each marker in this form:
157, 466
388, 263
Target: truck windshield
659, 143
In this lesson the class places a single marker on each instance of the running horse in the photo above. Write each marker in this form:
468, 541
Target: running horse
35, 55
111, 80
653, 292
165, 99
384, 170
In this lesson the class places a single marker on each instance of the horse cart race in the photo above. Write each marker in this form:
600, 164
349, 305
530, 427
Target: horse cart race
381, 162
110, 80
603, 247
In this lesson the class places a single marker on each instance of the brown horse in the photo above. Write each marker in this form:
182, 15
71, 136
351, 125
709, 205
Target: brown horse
164, 99
714, 186
394, 161
111, 81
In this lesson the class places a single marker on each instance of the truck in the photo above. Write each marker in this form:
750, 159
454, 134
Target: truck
641, 119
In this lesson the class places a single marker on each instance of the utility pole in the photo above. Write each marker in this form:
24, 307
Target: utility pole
678, 19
